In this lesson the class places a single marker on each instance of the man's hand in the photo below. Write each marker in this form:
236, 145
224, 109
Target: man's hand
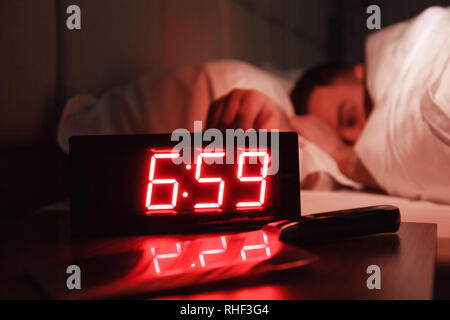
247, 109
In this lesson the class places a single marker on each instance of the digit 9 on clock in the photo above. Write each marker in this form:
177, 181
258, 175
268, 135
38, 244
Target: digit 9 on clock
142, 184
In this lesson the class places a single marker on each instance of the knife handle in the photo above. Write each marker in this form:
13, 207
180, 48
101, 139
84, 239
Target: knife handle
322, 227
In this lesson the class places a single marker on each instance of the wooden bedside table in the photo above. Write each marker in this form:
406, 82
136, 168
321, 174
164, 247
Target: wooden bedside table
406, 260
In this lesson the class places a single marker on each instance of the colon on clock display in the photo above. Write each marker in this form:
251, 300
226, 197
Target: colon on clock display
142, 184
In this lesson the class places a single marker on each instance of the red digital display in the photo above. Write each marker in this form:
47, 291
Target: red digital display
209, 184
152, 184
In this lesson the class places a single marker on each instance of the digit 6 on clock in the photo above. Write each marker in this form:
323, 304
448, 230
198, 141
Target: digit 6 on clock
153, 181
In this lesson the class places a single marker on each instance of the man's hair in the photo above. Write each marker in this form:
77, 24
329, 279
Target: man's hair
319, 75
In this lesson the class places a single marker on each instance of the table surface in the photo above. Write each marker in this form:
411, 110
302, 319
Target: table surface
406, 260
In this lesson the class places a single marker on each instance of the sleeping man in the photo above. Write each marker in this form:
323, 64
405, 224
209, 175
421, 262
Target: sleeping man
385, 125
403, 148
405, 143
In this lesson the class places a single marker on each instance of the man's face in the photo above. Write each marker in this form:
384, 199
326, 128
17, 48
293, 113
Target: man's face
342, 105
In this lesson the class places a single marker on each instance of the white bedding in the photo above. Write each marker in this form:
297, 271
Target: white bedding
406, 142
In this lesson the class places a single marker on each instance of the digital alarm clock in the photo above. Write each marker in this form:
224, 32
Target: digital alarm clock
122, 184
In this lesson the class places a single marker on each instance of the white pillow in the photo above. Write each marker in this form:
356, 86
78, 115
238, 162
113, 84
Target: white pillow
406, 64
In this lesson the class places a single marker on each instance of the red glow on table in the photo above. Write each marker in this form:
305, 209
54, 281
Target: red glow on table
262, 247
211, 252
159, 257
212, 255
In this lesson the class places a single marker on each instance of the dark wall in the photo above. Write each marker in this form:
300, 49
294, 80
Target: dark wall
347, 23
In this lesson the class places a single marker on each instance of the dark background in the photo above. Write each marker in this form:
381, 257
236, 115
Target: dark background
42, 63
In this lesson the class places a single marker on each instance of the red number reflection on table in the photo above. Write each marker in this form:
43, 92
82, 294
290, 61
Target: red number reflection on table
153, 181
261, 178
259, 249
176, 257
213, 256
165, 260
209, 180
